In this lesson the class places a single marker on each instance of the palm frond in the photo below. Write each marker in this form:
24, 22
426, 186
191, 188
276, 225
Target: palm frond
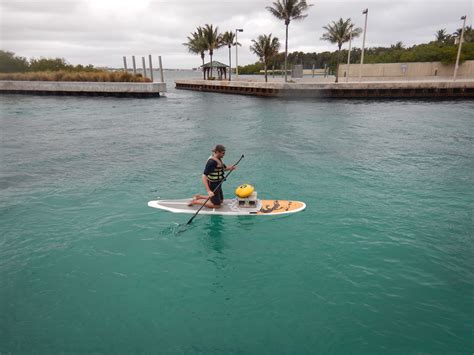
288, 10
265, 47
339, 32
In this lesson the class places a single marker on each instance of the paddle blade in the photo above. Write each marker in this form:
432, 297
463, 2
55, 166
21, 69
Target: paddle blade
181, 228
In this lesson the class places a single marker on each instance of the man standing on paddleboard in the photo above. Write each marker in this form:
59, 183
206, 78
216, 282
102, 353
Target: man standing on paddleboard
211, 178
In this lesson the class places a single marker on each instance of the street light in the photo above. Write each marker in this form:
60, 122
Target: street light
237, 30
366, 12
349, 53
459, 48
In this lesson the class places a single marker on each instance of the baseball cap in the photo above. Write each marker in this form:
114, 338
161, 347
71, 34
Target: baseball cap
219, 148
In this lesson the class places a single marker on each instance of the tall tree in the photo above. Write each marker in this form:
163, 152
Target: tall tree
468, 34
288, 10
339, 33
10, 63
213, 39
197, 44
228, 39
265, 47
441, 35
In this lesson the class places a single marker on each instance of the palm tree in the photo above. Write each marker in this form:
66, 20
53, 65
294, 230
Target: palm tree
197, 44
441, 35
228, 39
265, 47
468, 35
288, 10
339, 32
444, 38
213, 39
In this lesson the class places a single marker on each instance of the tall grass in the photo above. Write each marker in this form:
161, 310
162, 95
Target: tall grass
99, 76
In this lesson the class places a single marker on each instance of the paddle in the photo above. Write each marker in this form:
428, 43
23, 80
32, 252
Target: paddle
225, 177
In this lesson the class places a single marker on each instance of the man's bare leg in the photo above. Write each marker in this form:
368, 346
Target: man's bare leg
202, 201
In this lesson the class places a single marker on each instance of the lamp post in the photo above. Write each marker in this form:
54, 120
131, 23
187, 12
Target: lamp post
366, 12
237, 30
349, 53
230, 65
459, 48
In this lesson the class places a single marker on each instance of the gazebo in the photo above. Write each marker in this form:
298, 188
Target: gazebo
221, 69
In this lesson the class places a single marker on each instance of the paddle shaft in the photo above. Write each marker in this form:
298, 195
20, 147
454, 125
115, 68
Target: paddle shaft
225, 177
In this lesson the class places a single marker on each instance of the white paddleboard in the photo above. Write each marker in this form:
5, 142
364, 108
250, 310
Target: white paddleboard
230, 207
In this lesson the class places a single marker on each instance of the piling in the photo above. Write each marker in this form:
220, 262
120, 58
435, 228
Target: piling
161, 69
134, 65
151, 67
125, 63
144, 67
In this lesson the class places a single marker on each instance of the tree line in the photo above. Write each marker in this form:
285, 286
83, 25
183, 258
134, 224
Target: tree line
13, 67
10, 63
396, 53
207, 39
443, 48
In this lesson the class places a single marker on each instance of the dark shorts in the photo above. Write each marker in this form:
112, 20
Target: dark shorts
218, 194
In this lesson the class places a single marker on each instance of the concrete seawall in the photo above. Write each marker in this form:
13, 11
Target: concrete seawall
404, 71
393, 89
83, 88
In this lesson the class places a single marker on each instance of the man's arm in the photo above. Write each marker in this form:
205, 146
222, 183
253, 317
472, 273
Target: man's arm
205, 182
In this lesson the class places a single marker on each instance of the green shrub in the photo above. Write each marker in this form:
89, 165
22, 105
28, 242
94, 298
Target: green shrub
96, 76
9, 63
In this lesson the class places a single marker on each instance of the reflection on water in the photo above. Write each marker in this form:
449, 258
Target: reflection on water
215, 243
214, 236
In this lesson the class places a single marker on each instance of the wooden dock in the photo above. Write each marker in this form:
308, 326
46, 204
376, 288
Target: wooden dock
115, 89
386, 89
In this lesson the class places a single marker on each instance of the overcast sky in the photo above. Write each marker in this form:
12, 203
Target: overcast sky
100, 32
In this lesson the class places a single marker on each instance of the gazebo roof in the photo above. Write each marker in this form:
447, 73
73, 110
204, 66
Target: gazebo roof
215, 64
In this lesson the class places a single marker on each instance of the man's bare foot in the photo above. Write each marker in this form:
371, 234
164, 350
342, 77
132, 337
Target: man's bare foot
195, 198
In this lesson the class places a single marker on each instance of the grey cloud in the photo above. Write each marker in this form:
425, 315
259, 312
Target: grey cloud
100, 33
41, 6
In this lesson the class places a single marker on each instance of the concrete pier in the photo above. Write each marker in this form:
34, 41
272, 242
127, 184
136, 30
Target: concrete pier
391, 89
83, 88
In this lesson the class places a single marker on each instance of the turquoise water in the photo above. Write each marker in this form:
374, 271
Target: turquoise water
379, 262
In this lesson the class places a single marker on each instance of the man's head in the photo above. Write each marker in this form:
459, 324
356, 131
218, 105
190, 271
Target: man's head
219, 150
